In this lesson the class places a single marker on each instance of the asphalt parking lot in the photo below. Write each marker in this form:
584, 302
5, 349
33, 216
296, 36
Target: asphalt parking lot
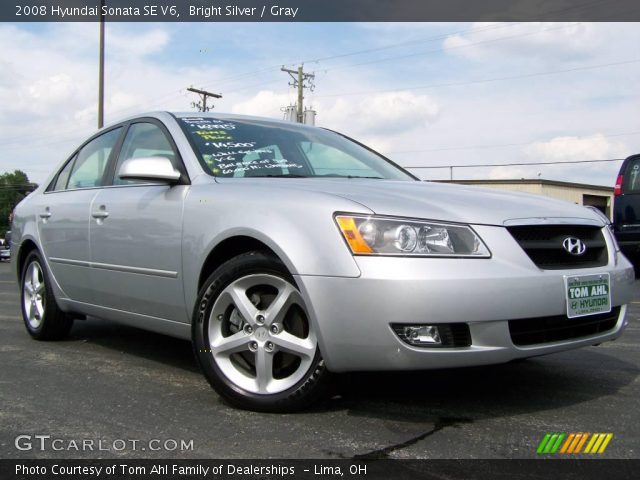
109, 382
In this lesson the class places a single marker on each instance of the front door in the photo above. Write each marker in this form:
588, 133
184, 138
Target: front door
136, 236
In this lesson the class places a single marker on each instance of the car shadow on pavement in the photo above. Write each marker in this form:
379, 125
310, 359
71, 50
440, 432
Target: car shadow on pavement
450, 395
133, 341
537, 384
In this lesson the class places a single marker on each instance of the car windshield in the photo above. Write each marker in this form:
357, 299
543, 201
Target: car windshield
254, 148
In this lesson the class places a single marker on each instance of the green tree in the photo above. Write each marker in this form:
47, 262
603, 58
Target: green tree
14, 186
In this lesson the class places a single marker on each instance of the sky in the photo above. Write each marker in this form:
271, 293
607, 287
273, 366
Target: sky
424, 94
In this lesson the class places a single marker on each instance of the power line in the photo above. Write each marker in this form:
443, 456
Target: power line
541, 17
500, 145
411, 42
170, 95
360, 52
246, 87
397, 45
467, 45
485, 80
408, 43
18, 141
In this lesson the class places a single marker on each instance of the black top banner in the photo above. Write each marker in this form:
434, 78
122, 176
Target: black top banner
317, 10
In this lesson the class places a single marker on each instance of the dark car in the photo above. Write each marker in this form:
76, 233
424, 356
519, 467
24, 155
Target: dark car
5, 248
626, 209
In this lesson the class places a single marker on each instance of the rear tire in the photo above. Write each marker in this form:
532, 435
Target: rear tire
42, 317
253, 338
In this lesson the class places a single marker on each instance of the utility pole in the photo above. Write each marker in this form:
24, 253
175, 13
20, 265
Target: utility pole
299, 78
101, 71
202, 104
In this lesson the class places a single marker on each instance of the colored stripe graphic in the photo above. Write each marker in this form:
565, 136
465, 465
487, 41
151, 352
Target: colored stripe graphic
567, 443
550, 443
591, 442
578, 438
598, 443
572, 443
606, 442
543, 443
579, 446
556, 445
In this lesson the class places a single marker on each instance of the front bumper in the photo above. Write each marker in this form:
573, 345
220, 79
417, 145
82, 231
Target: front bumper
353, 316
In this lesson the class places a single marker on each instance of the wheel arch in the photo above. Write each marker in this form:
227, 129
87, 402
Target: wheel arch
228, 248
235, 243
26, 247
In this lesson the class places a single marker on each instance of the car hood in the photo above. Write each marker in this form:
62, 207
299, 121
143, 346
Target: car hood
437, 201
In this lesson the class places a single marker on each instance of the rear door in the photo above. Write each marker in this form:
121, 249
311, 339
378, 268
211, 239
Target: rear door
64, 212
136, 233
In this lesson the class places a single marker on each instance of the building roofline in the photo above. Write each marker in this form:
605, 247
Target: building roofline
529, 181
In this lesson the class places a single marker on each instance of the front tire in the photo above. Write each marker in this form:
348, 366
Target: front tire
42, 317
253, 338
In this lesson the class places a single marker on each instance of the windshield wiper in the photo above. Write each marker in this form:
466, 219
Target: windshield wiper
295, 175
282, 175
334, 175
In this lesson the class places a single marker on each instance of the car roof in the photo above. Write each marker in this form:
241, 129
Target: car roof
162, 115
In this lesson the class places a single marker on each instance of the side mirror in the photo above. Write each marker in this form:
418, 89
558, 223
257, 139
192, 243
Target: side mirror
155, 169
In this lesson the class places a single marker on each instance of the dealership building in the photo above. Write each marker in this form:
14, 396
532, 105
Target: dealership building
589, 195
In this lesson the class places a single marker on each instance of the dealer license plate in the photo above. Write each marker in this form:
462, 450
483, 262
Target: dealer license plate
587, 294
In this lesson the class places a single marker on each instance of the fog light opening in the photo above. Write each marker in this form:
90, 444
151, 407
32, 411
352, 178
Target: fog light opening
420, 335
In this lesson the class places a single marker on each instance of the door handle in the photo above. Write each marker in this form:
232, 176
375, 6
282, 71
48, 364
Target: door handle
46, 214
101, 213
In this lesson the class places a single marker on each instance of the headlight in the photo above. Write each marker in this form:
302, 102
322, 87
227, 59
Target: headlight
612, 237
392, 236
608, 224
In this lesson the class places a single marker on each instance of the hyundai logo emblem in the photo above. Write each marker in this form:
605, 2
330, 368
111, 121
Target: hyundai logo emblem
574, 246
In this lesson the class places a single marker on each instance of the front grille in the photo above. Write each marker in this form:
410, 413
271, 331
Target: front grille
543, 245
451, 334
532, 331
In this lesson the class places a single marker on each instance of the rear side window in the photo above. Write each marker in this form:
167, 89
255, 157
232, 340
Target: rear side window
91, 162
631, 183
63, 176
143, 140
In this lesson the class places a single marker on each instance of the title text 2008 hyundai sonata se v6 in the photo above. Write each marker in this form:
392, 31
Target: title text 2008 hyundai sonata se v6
287, 252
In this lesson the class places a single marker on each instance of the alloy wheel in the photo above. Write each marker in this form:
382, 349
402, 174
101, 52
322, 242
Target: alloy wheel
34, 295
260, 335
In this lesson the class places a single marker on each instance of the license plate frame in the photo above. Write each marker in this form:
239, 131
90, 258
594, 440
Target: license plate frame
587, 294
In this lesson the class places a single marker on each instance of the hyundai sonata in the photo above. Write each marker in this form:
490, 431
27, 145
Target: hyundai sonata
286, 252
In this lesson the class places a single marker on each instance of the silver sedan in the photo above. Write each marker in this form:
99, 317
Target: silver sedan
287, 252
